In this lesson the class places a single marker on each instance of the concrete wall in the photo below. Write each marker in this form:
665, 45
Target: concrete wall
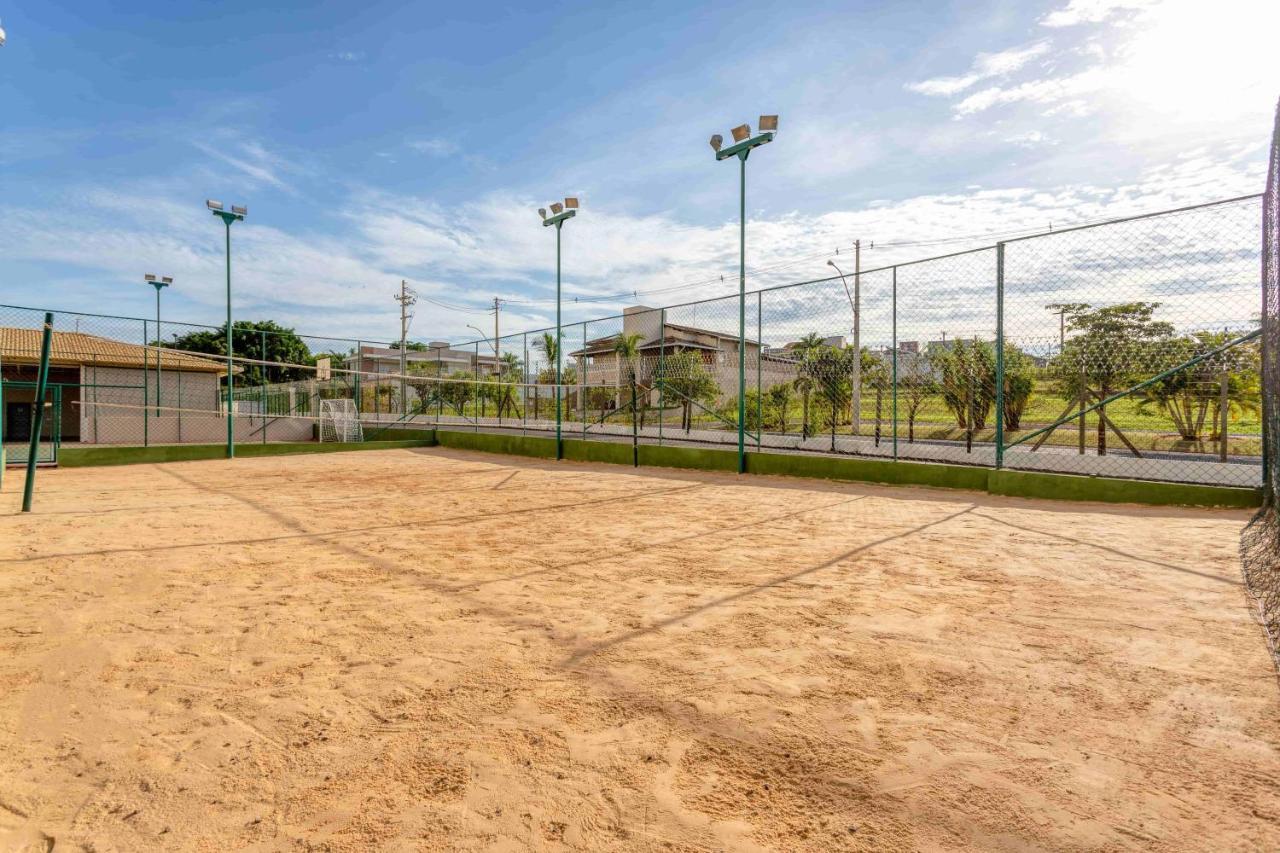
120, 406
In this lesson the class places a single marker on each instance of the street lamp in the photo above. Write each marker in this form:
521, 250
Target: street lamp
560, 213
236, 214
159, 284
744, 142
495, 348
855, 303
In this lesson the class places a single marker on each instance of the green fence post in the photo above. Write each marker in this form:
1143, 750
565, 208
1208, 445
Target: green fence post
37, 416
524, 411
999, 355
894, 312
95, 395
359, 365
146, 396
662, 376
262, 395
582, 404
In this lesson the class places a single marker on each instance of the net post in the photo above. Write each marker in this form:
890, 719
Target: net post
262, 394
146, 394
999, 356
37, 416
582, 404
893, 310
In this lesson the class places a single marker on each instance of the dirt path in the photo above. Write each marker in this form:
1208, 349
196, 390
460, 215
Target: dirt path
432, 650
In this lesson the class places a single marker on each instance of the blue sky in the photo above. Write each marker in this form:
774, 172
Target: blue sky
379, 140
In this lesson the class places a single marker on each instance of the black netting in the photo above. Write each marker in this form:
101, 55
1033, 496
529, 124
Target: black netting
1260, 547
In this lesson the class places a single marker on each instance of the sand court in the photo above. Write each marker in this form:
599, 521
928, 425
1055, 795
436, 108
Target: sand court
437, 650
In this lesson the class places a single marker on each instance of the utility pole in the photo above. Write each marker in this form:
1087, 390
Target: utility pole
497, 364
407, 299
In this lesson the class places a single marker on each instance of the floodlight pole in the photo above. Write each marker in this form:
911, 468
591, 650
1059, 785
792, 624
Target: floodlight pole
227, 218
158, 285
558, 221
742, 150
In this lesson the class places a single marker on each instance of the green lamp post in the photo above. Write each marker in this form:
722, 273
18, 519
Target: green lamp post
159, 283
743, 144
560, 213
236, 214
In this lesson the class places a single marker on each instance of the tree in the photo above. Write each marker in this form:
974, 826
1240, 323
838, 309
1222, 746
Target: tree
967, 381
683, 374
547, 375
777, 405
805, 381
915, 385
831, 369
1019, 381
259, 341
1191, 395
1113, 347
626, 350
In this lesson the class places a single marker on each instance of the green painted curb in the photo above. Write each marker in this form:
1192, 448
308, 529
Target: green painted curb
869, 470
82, 457
1071, 487
515, 445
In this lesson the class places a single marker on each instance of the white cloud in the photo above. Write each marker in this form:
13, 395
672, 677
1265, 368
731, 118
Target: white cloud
339, 282
1048, 90
985, 66
1092, 11
434, 147
251, 159
348, 55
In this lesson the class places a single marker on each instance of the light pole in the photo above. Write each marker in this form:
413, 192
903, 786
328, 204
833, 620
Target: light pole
855, 303
744, 142
159, 284
236, 214
560, 213
495, 347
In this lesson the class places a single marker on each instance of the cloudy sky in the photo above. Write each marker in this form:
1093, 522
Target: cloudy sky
376, 141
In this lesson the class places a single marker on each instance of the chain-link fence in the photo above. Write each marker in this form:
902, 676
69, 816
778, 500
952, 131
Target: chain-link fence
1260, 545
1127, 349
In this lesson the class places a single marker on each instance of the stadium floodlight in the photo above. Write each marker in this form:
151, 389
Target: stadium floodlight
236, 214
159, 283
743, 144
558, 217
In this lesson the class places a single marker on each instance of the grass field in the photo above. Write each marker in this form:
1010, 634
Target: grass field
435, 650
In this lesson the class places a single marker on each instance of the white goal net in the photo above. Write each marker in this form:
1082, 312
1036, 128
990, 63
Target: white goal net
339, 421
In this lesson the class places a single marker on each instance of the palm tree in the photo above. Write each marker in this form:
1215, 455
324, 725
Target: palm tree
626, 349
806, 348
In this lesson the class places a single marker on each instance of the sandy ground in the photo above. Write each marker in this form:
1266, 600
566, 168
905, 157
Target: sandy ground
432, 650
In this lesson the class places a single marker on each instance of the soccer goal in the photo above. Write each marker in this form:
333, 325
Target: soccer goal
339, 421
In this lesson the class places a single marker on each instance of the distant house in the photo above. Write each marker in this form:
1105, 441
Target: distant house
101, 388
598, 363
439, 357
